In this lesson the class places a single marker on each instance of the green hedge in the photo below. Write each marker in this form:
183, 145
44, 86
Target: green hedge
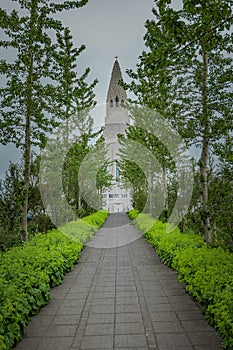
206, 271
29, 272
87, 226
133, 214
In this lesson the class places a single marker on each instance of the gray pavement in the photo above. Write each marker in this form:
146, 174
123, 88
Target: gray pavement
119, 298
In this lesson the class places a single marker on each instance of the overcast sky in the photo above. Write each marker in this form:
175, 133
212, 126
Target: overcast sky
108, 28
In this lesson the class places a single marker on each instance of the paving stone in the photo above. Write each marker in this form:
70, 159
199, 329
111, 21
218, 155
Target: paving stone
151, 285
186, 306
101, 318
124, 283
28, 344
102, 289
107, 279
157, 299
175, 292
125, 294
79, 295
190, 315
159, 307
204, 338
49, 311
99, 329
207, 347
173, 341
35, 330
106, 284
56, 343
196, 326
147, 278
125, 288
54, 302
74, 302
58, 295
164, 316
127, 301
66, 319
124, 280
80, 289
101, 295
167, 327
139, 348
97, 342
61, 331
127, 308
130, 341
128, 317
41, 320
100, 301
159, 292
70, 310
130, 328
102, 309
108, 271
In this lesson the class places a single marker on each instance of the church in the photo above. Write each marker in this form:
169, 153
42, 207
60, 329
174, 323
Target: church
116, 199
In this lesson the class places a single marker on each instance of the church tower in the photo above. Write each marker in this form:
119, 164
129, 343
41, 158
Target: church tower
115, 199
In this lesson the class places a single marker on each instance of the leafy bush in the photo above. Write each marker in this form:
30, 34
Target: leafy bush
87, 226
28, 272
206, 271
97, 219
133, 214
10, 238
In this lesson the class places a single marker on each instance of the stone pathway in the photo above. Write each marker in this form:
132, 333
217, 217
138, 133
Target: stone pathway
119, 298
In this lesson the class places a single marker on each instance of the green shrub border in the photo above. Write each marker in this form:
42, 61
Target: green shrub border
28, 273
205, 270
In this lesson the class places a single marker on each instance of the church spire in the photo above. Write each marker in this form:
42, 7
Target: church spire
116, 94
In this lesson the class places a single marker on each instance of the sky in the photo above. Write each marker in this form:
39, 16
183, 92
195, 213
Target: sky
107, 28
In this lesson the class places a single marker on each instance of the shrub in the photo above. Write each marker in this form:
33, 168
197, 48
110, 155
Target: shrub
206, 271
28, 272
97, 219
133, 214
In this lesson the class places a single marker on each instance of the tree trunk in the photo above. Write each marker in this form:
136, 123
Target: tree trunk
27, 145
165, 187
67, 165
205, 151
27, 161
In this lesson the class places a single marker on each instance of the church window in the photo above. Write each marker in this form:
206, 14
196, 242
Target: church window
117, 101
111, 103
117, 172
122, 103
114, 195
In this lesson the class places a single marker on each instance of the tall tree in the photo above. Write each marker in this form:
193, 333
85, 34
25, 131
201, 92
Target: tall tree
192, 45
144, 184
27, 97
74, 96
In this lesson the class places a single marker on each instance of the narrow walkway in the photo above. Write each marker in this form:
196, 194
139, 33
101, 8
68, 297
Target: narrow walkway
120, 298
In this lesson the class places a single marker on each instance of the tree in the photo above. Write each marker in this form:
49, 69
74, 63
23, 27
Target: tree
143, 178
74, 96
27, 98
88, 173
188, 50
10, 207
11, 200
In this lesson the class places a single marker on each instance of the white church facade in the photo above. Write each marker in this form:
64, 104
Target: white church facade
116, 198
